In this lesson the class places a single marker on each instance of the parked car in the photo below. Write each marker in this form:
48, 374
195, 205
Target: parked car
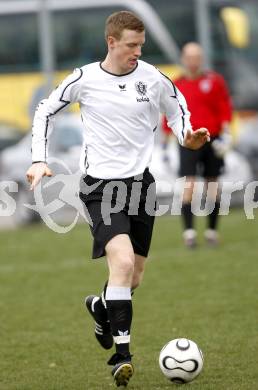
64, 155
9, 135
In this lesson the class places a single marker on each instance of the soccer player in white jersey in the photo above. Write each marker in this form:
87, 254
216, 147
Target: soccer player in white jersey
120, 100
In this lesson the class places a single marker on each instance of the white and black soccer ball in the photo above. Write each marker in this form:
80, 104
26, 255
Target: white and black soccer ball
181, 360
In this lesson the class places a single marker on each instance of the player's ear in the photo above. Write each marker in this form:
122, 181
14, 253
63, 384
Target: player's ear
111, 41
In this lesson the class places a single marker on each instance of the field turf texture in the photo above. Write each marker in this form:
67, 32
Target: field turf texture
207, 295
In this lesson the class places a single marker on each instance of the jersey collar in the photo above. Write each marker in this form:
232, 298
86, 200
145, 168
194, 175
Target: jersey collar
118, 75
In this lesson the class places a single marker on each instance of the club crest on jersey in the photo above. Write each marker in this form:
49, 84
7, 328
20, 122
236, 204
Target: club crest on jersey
205, 85
141, 88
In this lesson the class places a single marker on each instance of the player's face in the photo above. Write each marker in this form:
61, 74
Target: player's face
127, 49
192, 60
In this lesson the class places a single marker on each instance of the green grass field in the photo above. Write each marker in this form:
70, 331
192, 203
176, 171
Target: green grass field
208, 295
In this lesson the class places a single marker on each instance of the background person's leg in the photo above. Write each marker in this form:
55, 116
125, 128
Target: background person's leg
189, 233
211, 233
188, 168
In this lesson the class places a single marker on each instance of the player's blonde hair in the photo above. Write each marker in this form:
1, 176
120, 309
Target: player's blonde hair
122, 20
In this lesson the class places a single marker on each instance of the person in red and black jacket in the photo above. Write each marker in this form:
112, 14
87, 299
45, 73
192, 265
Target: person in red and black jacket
209, 103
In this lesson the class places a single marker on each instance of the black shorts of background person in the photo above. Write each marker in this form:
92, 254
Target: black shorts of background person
202, 162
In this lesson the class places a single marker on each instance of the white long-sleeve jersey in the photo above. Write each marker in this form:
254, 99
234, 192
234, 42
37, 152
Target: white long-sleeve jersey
120, 114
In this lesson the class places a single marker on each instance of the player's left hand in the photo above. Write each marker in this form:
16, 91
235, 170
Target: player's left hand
222, 144
196, 139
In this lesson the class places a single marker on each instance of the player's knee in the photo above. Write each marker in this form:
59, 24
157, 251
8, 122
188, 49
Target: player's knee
122, 263
121, 258
126, 263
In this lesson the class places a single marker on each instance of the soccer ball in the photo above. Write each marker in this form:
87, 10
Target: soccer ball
181, 360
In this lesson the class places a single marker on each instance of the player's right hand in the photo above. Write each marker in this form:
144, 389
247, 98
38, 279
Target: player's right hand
36, 172
196, 139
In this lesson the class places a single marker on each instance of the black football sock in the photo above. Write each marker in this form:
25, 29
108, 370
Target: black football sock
187, 216
119, 309
213, 217
100, 305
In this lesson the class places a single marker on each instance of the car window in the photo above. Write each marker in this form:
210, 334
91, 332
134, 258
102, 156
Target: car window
66, 137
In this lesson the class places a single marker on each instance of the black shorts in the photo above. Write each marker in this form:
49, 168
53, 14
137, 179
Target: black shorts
120, 206
202, 162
